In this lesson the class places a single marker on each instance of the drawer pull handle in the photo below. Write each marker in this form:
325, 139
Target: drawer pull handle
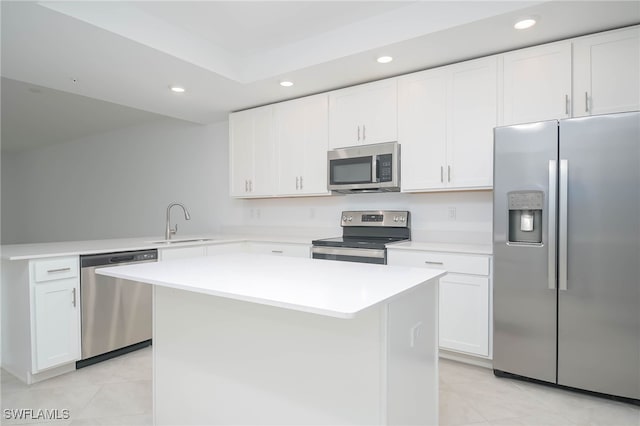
277, 251
73, 294
51, 271
433, 263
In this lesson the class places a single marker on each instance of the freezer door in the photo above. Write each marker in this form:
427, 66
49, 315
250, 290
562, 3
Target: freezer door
599, 312
524, 297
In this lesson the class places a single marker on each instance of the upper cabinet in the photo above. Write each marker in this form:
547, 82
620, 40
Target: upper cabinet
446, 118
363, 114
606, 72
252, 153
302, 135
537, 83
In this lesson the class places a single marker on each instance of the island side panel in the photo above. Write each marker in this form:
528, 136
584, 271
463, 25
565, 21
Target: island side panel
221, 361
412, 357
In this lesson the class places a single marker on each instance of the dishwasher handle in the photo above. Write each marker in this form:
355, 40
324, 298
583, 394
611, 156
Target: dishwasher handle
120, 259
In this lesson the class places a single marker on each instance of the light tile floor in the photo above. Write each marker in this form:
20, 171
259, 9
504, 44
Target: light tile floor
118, 392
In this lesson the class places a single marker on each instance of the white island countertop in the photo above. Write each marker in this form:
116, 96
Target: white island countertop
324, 287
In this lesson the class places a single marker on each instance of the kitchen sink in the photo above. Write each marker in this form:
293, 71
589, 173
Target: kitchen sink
179, 241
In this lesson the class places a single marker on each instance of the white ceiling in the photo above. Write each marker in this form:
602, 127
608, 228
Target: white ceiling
231, 55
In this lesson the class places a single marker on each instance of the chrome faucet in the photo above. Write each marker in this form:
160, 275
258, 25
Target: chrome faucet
169, 232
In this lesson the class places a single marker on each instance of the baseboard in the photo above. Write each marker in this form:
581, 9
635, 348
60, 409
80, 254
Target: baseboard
466, 359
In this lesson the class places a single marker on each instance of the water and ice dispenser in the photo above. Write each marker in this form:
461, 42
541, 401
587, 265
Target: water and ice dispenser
525, 217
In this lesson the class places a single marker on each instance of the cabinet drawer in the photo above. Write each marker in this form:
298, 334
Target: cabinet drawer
55, 269
280, 249
455, 263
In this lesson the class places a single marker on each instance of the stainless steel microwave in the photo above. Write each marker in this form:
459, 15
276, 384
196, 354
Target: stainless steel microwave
365, 168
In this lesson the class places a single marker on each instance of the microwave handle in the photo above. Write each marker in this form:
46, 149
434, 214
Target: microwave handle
375, 169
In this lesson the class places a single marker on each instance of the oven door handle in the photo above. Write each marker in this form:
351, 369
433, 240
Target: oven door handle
375, 169
346, 251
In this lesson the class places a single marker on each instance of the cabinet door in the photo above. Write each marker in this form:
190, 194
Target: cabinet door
537, 83
56, 323
379, 112
464, 313
606, 73
240, 152
363, 114
473, 111
302, 139
422, 129
265, 173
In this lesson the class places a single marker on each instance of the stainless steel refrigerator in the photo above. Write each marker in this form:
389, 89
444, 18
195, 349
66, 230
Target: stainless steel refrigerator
566, 241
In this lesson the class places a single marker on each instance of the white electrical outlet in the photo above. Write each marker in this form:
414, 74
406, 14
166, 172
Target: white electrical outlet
452, 213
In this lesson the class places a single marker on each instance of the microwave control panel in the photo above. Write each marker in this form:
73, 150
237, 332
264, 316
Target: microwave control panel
385, 167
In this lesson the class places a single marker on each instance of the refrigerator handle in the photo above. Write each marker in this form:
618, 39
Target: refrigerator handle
562, 223
551, 221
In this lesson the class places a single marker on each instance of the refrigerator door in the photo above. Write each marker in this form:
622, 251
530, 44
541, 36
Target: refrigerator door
525, 297
599, 312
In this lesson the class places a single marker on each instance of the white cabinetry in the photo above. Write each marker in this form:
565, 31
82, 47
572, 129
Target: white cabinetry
446, 118
537, 83
363, 114
302, 136
606, 72
252, 153
464, 295
40, 317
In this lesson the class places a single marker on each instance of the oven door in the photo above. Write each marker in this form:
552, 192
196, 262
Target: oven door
352, 173
346, 254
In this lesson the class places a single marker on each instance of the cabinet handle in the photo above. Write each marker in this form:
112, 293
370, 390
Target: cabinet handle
448, 173
297, 184
586, 102
428, 262
364, 129
73, 297
358, 132
566, 104
51, 271
246, 185
300, 182
441, 174
277, 251
250, 185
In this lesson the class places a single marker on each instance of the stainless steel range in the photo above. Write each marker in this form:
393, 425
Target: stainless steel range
365, 235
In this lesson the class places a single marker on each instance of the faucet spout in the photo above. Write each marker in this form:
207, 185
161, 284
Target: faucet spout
168, 231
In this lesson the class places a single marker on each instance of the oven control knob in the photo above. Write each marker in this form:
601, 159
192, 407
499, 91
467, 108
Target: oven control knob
395, 218
344, 218
402, 218
350, 218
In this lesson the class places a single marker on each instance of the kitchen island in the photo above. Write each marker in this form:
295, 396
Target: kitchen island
253, 339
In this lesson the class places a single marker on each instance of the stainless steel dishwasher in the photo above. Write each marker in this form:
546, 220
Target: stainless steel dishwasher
116, 313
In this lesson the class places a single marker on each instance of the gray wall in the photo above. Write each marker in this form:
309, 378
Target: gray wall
118, 184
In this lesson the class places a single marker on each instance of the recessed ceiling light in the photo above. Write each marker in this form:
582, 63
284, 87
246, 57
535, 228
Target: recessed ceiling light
177, 89
384, 59
286, 83
523, 24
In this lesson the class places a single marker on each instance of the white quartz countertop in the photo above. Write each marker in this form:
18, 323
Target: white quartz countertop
75, 248
324, 287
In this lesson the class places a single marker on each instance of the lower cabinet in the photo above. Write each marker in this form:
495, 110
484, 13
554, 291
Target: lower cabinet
40, 317
465, 315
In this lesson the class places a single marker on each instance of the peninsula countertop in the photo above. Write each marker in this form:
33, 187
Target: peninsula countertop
335, 289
